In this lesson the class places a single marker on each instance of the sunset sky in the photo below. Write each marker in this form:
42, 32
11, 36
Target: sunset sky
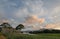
30, 11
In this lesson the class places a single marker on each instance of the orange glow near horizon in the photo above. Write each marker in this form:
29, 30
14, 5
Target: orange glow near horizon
35, 19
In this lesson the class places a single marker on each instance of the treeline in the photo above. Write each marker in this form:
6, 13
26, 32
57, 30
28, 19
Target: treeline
45, 31
7, 26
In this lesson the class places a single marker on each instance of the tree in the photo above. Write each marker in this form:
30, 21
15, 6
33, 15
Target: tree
19, 27
6, 25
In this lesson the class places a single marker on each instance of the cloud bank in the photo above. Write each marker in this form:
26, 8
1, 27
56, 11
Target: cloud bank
30, 11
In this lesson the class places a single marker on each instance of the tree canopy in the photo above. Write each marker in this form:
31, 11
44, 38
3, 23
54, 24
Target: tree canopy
19, 27
6, 25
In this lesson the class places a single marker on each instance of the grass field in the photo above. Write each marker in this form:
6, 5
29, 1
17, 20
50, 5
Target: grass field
32, 36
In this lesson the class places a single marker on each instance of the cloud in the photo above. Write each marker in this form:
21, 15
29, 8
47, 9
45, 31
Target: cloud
11, 21
56, 9
55, 14
2, 15
28, 7
31, 7
3, 20
53, 26
39, 11
34, 20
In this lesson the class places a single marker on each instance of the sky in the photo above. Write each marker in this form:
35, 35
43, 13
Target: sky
30, 12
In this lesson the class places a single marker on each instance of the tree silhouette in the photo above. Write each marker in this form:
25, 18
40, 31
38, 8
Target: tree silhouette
6, 25
19, 27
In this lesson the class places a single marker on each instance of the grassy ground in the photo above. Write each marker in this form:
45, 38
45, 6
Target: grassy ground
33, 36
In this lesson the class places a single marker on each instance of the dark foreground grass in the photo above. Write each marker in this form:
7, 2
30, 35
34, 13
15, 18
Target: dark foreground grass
2, 36
32, 36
